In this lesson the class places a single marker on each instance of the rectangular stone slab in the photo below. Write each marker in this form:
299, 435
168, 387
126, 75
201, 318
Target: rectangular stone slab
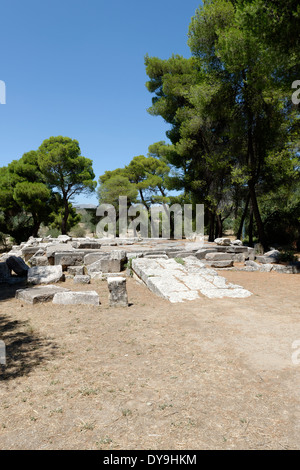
35, 295
77, 298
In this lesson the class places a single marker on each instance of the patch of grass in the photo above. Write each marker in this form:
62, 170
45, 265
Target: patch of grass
126, 412
85, 392
180, 261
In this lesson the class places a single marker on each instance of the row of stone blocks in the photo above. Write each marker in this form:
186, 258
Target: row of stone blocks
59, 295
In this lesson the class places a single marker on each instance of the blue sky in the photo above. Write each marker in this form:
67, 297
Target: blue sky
76, 68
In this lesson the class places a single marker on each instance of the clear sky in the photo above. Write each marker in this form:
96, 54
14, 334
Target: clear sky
76, 68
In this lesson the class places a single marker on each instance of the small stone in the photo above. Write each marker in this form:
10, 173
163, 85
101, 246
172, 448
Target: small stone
75, 270
82, 279
222, 241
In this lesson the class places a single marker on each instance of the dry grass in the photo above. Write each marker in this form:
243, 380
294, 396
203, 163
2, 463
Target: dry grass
206, 374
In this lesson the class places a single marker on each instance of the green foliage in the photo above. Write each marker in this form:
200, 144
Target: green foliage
234, 130
78, 231
67, 170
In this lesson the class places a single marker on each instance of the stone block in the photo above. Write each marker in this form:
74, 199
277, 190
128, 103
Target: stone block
38, 294
117, 292
223, 241
45, 274
66, 259
82, 279
77, 298
221, 264
75, 270
218, 256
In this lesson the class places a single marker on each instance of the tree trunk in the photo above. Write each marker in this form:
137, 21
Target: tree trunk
36, 226
239, 232
211, 235
65, 218
258, 220
250, 230
219, 226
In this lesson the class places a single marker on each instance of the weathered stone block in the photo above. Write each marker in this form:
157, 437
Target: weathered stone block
203, 252
222, 241
105, 265
221, 264
117, 292
91, 258
38, 294
45, 274
82, 279
77, 298
39, 261
91, 244
75, 270
218, 256
66, 259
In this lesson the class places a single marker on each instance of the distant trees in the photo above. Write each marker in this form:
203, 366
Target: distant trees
142, 180
37, 189
66, 170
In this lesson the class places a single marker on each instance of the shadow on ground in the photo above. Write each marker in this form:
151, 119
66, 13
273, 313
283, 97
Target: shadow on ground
8, 291
24, 348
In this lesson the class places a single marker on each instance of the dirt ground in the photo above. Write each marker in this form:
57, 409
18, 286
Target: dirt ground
204, 374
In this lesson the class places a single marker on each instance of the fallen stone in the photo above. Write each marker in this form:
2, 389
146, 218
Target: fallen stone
77, 298
218, 256
238, 257
91, 244
56, 248
265, 259
117, 292
266, 268
28, 251
75, 270
64, 238
91, 258
69, 259
39, 261
221, 264
255, 266
222, 241
45, 274
17, 265
274, 254
105, 265
237, 242
38, 294
203, 252
237, 249
82, 279
280, 268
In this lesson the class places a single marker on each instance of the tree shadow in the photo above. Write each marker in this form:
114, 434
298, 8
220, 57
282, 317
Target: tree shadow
24, 349
8, 291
